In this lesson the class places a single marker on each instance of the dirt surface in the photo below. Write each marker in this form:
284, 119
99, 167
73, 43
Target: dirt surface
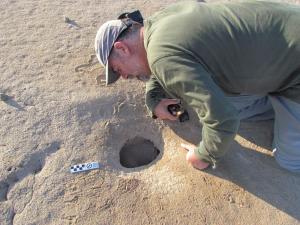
55, 111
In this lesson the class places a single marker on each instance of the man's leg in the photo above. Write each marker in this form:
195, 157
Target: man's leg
286, 143
252, 107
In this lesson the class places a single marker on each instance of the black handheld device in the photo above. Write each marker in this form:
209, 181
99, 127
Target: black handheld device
178, 111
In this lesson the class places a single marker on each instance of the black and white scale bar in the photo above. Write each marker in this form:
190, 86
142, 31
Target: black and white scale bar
84, 167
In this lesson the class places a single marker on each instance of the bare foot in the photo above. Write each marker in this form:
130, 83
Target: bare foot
191, 157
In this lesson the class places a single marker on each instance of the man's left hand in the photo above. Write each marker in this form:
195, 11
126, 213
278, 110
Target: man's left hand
192, 158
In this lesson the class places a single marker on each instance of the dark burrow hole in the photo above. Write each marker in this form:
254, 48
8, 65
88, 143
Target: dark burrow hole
138, 152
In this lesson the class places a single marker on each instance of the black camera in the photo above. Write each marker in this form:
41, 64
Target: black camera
178, 111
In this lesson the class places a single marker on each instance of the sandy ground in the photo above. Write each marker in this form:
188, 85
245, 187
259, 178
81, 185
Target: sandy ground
57, 112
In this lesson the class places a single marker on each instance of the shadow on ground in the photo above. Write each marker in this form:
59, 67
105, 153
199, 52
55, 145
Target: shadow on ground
254, 171
259, 174
118, 122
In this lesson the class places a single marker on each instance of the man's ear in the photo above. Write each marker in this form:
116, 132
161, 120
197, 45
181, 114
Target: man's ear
121, 48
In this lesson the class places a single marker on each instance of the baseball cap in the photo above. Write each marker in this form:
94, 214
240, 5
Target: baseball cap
105, 39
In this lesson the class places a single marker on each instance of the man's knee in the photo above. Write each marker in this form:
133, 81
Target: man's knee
288, 163
252, 107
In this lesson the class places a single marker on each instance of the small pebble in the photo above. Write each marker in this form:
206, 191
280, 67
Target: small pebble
231, 200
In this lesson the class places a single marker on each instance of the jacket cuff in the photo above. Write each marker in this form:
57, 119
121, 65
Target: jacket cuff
151, 105
204, 155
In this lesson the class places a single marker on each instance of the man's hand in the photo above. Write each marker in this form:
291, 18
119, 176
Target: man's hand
191, 157
161, 110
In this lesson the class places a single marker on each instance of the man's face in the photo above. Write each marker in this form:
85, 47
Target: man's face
129, 65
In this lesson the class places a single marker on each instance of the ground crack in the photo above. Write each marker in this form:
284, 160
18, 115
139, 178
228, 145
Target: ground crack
31, 165
27, 203
90, 63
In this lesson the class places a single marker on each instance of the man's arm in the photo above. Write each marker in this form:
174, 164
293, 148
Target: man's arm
189, 81
157, 101
154, 94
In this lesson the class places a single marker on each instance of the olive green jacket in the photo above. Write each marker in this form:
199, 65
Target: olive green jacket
201, 52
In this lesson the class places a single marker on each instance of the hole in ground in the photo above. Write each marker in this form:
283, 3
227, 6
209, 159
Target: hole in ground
138, 152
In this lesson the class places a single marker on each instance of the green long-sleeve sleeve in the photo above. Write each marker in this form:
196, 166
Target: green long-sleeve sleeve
154, 93
201, 52
190, 82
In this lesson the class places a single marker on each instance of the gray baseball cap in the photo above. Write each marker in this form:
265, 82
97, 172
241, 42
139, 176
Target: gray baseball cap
105, 39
